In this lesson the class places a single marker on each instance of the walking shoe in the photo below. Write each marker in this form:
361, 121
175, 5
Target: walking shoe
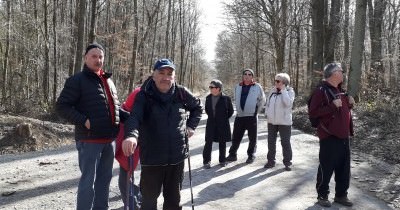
231, 158
269, 164
250, 160
222, 164
207, 166
288, 168
324, 201
343, 200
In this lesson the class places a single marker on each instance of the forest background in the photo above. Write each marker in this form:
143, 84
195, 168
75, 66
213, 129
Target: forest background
42, 43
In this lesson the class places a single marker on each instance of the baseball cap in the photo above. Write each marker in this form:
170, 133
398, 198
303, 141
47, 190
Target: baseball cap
164, 63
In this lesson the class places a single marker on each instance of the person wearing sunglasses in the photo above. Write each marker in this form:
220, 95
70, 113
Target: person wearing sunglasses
219, 109
249, 98
278, 110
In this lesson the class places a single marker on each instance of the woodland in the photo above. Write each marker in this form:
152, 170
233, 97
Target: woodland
42, 43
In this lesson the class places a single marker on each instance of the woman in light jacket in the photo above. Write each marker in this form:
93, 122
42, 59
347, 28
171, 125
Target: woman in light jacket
278, 110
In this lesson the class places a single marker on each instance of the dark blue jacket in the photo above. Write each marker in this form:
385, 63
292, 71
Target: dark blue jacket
84, 97
160, 121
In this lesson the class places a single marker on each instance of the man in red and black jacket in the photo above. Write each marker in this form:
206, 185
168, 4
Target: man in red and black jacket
89, 101
334, 129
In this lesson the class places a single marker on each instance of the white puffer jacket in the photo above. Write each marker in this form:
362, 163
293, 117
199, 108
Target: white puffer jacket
278, 108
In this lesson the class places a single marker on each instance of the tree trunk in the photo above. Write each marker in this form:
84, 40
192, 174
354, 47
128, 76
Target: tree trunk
55, 59
134, 47
317, 15
332, 31
80, 15
357, 49
167, 31
93, 21
7, 53
376, 13
346, 35
72, 46
46, 71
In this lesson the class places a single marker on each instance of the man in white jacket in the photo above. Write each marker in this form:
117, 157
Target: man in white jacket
249, 99
278, 110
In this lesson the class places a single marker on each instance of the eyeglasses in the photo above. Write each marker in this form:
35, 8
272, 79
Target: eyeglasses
277, 81
211, 87
249, 74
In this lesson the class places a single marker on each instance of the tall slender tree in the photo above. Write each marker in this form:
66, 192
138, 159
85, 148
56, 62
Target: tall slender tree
357, 49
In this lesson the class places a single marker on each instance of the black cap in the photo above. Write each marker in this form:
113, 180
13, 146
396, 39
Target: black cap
93, 45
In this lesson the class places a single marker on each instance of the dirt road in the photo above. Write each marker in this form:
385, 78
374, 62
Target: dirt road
48, 180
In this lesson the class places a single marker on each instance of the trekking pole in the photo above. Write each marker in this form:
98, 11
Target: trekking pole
130, 200
190, 170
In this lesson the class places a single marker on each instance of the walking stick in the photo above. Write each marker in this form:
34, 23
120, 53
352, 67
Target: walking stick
130, 178
190, 170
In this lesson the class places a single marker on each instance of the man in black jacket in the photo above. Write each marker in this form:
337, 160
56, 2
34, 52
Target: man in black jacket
159, 116
89, 101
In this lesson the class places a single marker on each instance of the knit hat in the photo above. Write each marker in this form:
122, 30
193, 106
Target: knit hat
330, 68
250, 70
93, 45
216, 83
164, 63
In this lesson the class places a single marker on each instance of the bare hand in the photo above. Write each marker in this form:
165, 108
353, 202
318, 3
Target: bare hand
87, 124
351, 100
129, 146
337, 102
189, 132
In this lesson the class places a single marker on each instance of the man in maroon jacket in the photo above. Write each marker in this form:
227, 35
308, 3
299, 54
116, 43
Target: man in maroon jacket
334, 129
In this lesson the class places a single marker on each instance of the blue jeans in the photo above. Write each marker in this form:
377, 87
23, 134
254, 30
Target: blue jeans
96, 163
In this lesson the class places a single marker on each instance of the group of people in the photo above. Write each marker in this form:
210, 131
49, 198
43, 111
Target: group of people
156, 121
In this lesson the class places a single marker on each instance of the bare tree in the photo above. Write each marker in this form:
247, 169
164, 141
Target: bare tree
46, 70
55, 59
332, 31
357, 49
135, 45
93, 21
80, 16
317, 14
376, 13
7, 52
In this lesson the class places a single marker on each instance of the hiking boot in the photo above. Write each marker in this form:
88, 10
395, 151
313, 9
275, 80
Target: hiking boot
269, 164
231, 158
288, 168
324, 201
207, 166
343, 200
250, 160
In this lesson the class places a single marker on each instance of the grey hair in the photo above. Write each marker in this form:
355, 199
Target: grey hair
330, 68
284, 77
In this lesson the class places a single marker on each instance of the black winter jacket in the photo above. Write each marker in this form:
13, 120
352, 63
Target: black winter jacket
160, 121
218, 128
84, 97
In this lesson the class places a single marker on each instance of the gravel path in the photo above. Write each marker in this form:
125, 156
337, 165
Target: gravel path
48, 179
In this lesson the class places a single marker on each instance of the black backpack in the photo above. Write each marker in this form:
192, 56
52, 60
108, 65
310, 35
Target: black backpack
315, 120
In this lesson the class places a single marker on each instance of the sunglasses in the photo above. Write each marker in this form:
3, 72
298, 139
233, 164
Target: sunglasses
249, 74
277, 81
211, 87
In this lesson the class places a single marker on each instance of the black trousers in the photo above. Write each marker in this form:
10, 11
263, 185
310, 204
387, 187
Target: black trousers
208, 149
168, 178
334, 156
285, 131
240, 125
